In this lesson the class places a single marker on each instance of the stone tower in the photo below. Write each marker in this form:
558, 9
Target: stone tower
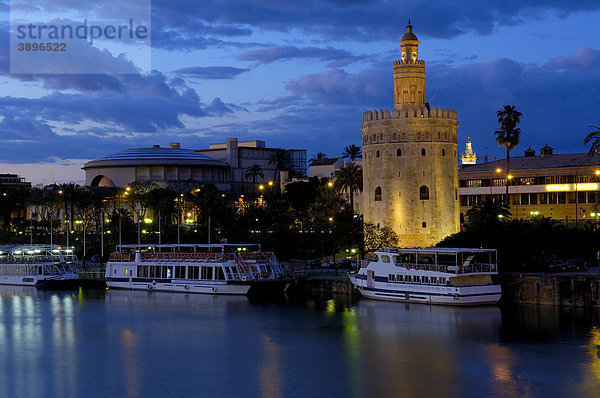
410, 161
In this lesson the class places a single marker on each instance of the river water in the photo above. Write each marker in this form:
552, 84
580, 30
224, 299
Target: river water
96, 343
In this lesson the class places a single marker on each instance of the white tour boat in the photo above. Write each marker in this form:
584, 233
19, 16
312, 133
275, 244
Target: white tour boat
452, 276
193, 268
37, 265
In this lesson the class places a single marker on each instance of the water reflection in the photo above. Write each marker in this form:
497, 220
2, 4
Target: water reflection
123, 343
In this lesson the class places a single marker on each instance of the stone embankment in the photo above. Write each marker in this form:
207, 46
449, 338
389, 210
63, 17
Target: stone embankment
564, 290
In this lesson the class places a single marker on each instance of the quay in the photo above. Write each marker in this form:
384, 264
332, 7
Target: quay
572, 289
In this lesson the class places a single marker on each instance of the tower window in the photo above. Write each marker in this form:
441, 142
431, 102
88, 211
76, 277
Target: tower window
443, 152
424, 192
394, 136
381, 137
398, 152
424, 224
378, 194
423, 152
377, 153
374, 137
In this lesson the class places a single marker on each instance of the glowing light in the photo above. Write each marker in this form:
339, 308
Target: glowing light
598, 172
128, 189
330, 184
270, 183
510, 177
498, 170
572, 187
189, 214
261, 186
500, 216
147, 220
330, 218
534, 213
558, 187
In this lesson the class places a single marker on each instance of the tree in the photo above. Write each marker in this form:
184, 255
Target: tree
594, 139
349, 177
487, 214
318, 156
376, 237
280, 158
509, 135
353, 152
252, 172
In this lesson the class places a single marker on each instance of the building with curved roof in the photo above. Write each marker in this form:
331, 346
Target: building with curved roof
161, 165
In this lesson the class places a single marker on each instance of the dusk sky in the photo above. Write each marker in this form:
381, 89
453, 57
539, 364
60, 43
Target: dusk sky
299, 74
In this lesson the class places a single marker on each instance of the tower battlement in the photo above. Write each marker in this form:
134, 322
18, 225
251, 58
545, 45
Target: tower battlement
421, 111
409, 61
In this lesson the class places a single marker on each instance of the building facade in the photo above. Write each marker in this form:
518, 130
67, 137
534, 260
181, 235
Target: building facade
325, 168
410, 175
565, 187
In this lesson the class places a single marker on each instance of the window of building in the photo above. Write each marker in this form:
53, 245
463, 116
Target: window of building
443, 152
377, 153
394, 136
423, 152
424, 192
381, 137
424, 224
398, 174
378, 194
398, 152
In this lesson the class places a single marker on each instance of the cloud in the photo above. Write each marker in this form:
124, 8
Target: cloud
582, 58
212, 72
345, 20
336, 57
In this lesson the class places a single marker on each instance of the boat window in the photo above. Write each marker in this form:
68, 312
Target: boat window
169, 272
391, 278
180, 272
434, 280
207, 273
446, 259
396, 260
442, 281
399, 277
426, 258
417, 279
385, 259
408, 258
408, 278
193, 272
220, 274
425, 279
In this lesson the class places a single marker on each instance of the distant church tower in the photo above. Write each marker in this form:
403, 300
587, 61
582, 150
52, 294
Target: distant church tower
410, 170
468, 157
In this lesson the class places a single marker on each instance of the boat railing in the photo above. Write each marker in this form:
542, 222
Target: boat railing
476, 268
363, 263
452, 269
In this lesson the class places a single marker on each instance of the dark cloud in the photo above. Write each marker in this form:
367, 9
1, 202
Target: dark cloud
335, 57
218, 108
190, 20
212, 72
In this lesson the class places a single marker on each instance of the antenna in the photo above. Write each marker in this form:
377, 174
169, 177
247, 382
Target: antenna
432, 97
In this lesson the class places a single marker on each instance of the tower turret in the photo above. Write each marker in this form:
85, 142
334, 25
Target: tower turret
409, 72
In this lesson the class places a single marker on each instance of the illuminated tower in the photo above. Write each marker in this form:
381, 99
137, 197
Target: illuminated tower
410, 168
468, 157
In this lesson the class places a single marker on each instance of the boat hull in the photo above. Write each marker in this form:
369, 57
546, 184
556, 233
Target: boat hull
47, 282
194, 287
424, 294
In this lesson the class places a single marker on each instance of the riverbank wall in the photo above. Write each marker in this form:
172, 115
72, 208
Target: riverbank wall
563, 290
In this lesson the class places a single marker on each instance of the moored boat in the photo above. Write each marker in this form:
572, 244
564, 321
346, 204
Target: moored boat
451, 276
38, 265
194, 268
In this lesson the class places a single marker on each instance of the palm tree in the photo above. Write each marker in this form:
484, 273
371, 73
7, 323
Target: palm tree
350, 177
353, 152
509, 135
487, 213
280, 158
318, 156
594, 138
252, 172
